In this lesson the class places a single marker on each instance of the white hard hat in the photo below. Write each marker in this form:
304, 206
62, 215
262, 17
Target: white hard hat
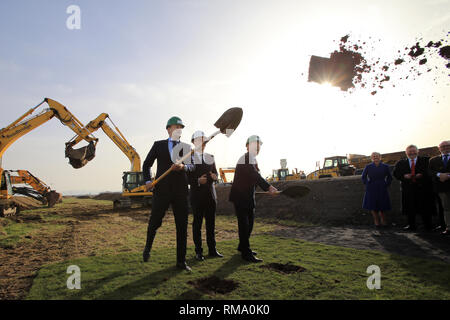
197, 134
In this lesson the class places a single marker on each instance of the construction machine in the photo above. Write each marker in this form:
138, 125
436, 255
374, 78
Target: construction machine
336, 166
133, 185
223, 177
28, 122
39, 190
283, 174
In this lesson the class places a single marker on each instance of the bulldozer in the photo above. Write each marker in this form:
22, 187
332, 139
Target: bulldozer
283, 174
39, 190
28, 122
336, 166
133, 185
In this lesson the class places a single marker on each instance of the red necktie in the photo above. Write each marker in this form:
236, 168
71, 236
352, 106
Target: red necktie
413, 170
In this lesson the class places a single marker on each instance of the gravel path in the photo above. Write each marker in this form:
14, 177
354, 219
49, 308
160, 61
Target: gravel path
392, 240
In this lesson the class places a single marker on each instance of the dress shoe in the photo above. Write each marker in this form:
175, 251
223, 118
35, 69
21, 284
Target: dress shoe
146, 255
199, 257
446, 232
251, 258
183, 266
215, 254
409, 228
253, 252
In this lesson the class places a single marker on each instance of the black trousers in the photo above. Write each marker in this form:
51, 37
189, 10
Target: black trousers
417, 202
440, 212
180, 211
204, 208
245, 217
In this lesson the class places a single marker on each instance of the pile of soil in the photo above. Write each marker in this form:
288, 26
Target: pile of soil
214, 285
108, 196
284, 268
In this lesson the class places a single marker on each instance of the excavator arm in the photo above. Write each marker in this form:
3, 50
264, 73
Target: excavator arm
133, 184
41, 191
116, 136
24, 125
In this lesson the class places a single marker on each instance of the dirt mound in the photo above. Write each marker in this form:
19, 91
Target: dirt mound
214, 285
284, 268
108, 196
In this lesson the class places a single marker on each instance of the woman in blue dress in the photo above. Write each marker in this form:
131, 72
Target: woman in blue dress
377, 178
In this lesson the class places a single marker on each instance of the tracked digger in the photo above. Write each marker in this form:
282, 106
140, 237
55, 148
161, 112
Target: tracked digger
38, 189
29, 121
133, 185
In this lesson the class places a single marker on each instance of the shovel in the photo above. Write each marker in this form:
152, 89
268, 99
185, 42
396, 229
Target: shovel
226, 124
294, 192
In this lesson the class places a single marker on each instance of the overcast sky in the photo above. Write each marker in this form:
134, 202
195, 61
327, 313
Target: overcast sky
145, 61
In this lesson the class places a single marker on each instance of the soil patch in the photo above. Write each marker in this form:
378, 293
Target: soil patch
214, 285
284, 268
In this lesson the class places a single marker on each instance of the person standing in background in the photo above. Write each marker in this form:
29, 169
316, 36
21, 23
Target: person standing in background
414, 179
440, 172
377, 178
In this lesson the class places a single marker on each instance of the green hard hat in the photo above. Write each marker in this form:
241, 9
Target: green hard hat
174, 121
254, 138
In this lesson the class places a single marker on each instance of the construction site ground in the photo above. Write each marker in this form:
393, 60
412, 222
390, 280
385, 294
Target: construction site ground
36, 243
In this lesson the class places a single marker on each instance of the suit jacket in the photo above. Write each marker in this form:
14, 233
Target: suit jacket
246, 177
176, 183
206, 191
402, 167
437, 165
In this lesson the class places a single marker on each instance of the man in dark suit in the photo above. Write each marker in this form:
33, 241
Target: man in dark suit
416, 187
203, 196
440, 173
242, 194
171, 190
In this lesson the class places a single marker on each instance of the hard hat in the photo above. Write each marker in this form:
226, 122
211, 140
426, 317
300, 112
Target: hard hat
197, 134
254, 138
174, 121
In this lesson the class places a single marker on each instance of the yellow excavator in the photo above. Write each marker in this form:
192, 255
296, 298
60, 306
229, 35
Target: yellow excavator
283, 174
336, 166
28, 122
39, 189
133, 185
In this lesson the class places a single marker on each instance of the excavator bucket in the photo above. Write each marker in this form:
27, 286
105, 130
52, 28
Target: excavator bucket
53, 198
78, 158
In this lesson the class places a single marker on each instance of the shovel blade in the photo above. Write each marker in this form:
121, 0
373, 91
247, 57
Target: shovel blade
78, 158
229, 120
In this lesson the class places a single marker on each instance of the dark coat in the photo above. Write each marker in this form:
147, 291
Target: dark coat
416, 196
377, 179
203, 191
437, 165
246, 178
176, 183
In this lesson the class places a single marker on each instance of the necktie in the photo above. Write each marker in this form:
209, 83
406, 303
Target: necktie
445, 160
413, 170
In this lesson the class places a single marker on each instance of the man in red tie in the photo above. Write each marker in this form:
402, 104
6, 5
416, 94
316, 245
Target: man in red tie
440, 172
416, 188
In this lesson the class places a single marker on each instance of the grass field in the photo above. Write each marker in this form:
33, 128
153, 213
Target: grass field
107, 247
